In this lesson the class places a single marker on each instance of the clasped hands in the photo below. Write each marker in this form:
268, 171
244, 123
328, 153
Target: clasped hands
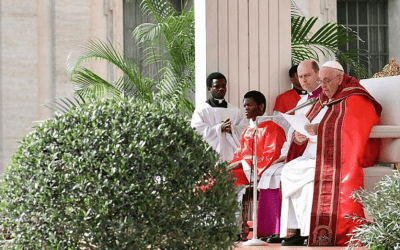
312, 129
227, 126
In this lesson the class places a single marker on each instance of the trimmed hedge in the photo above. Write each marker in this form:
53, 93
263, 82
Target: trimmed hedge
118, 174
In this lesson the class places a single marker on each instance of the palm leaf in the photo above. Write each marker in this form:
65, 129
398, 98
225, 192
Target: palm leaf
168, 43
295, 10
146, 32
64, 104
302, 28
325, 41
89, 83
157, 9
355, 60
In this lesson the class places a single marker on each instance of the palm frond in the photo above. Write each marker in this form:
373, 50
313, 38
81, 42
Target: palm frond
332, 35
167, 43
325, 41
64, 104
295, 10
176, 88
147, 32
356, 60
97, 50
157, 9
301, 28
169, 40
88, 83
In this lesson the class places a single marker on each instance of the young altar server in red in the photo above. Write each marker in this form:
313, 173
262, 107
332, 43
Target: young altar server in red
270, 139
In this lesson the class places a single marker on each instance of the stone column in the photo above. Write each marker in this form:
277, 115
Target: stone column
201, 51
1, 91
246, 40
394, 30
46, 67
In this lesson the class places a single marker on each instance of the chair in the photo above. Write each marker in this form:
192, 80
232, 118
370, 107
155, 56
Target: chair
386, 91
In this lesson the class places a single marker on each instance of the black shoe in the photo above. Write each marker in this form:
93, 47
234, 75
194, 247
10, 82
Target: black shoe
263, 238
274, 239
294, 241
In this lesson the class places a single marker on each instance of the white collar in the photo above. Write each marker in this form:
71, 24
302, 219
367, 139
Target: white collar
252, 124
219, 100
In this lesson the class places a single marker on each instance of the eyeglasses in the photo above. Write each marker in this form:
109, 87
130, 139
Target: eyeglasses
319, 81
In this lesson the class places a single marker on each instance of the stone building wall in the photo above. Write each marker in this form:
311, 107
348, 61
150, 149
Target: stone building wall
36, 38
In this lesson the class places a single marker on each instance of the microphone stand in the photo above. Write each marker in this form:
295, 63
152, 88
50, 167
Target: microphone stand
254, 241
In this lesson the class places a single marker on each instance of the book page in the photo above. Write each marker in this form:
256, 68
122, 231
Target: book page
298, 122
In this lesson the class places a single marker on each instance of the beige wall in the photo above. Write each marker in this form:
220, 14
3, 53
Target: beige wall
249, 42
394, 29
36, 37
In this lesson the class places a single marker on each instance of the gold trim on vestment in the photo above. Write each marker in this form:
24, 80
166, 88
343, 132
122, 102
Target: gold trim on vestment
335, 152
324, 129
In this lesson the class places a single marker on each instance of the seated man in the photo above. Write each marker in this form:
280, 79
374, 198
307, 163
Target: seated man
273, 174
322, 186
270, 138
295, 177
269, 198
220, 123
289, 99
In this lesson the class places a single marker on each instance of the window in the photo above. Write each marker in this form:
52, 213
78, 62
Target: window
369, 18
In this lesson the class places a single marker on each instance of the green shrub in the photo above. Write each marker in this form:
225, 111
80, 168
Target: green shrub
383, 204
117, 175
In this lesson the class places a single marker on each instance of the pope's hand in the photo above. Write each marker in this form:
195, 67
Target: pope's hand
312, 129
300, 138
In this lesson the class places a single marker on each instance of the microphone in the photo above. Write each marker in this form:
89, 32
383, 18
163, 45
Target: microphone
310, 101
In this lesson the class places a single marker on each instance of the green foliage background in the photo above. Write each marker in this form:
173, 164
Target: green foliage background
117, 174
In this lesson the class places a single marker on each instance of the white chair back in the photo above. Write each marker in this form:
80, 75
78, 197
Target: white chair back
386, 91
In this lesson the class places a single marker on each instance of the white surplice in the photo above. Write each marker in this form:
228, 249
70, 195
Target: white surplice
271, 177
207, 121
297, 179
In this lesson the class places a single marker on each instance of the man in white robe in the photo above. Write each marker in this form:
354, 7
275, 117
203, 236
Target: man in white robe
297, 175
220, 123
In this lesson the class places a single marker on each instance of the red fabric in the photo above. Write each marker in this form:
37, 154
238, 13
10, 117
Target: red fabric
270, 139
356, 130
343, 136
286, 101
295, 150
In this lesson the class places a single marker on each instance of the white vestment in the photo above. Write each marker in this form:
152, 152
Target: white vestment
281, 121
207, 121
297, 179
271, 177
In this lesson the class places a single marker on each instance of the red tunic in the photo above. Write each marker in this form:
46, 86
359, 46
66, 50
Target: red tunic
344, 148
270, 139
286, 101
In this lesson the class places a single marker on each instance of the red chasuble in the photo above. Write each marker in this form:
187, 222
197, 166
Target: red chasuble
270, 139
286, 101
344, 148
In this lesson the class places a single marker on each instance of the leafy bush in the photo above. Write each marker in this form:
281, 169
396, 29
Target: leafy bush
118, 174
383, 204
